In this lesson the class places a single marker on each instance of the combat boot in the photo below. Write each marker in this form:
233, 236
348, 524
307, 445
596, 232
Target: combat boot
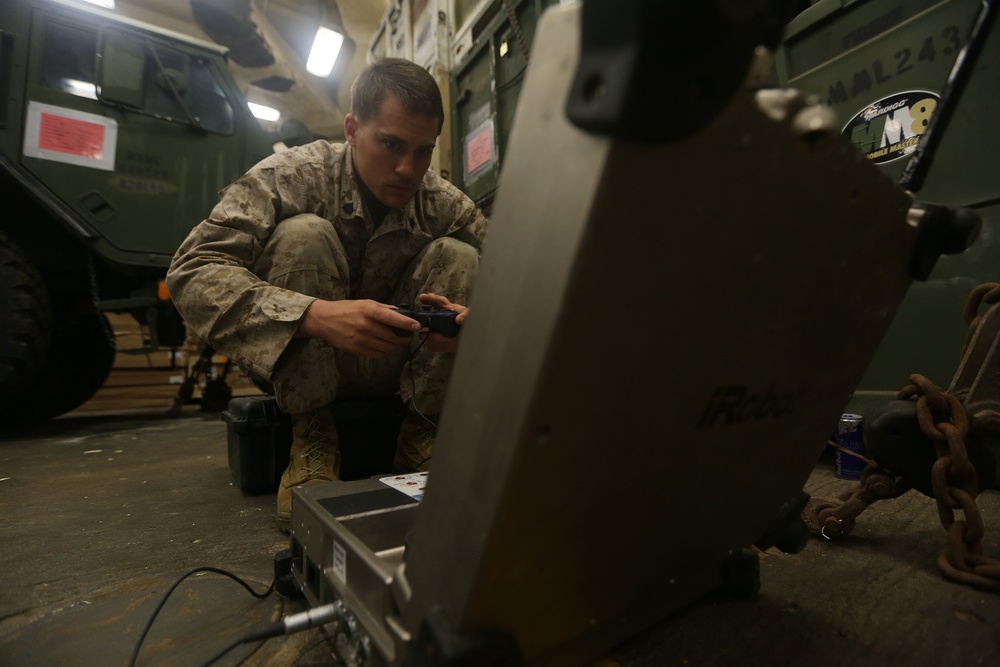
315, 456
415, 444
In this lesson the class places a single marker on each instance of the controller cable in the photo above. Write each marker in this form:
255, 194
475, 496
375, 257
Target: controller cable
289, 625
413, 392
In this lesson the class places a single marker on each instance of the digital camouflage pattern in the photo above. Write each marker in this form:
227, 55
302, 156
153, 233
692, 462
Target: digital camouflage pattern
295, 228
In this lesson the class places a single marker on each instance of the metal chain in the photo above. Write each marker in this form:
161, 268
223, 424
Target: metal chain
517, 28
988, 293
831, 517
942, 419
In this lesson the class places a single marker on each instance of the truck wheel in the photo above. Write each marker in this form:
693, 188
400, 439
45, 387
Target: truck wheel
79, 361
25, 322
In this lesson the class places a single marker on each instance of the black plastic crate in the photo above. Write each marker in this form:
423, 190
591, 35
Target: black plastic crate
260, 438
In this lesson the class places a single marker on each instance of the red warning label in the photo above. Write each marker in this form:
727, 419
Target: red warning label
68, 135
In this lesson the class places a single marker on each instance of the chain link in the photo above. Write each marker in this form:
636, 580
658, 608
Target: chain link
988, 293
942, 419
516, 25
831, 517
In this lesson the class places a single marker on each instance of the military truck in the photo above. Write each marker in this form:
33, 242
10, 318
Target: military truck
115, 138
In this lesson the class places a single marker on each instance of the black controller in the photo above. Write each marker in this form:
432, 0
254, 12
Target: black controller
442, 321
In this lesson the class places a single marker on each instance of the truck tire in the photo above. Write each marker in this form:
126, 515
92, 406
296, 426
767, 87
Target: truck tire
25, 322
80, 358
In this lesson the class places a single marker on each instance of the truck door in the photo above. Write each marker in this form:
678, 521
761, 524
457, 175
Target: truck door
132, 130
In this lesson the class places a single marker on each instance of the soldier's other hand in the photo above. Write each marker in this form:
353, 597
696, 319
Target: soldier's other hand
361, 327
436, 341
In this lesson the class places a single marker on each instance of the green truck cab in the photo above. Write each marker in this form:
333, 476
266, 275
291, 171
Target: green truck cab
115, 139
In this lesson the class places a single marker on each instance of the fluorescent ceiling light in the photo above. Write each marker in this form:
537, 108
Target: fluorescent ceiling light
110, 4
263, 112
324, 52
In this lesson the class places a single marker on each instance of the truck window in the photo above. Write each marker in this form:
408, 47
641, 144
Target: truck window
163, 81
174, 80
68, 59
207, 100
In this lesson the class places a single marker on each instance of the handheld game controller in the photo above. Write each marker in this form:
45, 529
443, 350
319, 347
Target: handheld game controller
442, 321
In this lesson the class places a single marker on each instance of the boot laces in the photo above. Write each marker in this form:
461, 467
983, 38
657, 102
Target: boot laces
318, 444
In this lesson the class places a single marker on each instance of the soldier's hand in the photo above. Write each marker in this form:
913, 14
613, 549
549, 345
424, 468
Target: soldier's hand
361, 327
436, 341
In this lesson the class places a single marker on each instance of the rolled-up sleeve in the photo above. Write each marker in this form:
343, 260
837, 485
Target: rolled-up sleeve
211, 279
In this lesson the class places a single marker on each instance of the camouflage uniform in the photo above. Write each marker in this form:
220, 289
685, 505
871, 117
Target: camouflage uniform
294, 228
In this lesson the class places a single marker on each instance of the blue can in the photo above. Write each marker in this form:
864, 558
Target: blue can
850, 435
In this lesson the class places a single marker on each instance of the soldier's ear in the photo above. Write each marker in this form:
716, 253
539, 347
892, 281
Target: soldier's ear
351, 128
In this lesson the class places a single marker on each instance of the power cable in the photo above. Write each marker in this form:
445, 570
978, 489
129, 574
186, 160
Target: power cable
159, 607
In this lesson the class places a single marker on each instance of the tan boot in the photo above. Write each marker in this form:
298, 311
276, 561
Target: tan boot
415, 444
315, 456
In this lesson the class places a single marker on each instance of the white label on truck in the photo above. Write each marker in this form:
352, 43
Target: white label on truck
70, 136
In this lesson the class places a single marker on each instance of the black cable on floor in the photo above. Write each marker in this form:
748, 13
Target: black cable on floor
266, 633
328, 613
159, 607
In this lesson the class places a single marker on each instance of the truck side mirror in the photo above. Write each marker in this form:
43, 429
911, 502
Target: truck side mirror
120, 64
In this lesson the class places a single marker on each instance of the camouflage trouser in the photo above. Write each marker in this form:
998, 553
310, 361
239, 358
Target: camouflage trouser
305, 255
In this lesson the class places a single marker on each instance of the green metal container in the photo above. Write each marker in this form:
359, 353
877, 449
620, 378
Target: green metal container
881, 64
485, 88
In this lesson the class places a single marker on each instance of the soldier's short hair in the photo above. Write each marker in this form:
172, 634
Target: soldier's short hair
412, 85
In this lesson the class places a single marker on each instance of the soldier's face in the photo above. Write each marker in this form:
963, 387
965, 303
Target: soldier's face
392, 151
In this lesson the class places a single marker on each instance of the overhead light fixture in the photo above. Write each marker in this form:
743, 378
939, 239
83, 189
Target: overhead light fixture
263, 112
324, 51
107, 4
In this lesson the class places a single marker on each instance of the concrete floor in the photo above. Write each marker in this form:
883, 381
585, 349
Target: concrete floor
106, 507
